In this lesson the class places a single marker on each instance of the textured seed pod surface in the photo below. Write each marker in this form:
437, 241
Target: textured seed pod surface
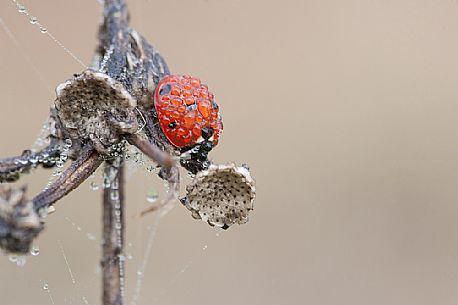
222, 195
95, 107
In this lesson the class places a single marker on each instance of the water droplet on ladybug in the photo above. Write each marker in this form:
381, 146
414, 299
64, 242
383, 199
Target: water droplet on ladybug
165, 90
191, 107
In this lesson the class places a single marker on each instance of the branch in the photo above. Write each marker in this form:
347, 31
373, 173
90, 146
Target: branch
12, 168
113, 234
88, 161
21, 220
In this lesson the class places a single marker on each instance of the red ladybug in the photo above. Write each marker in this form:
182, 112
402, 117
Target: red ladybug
187, 113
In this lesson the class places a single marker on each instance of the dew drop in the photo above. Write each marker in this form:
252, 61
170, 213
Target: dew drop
106, 182
35, 251
94, 186
45, 287
43, 30
21, 8
33, 20
21, 261
204, 247
115, 184
12, 258
152, 196
114, 196
68, 143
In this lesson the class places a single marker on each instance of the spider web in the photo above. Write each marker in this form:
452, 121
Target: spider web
139, 252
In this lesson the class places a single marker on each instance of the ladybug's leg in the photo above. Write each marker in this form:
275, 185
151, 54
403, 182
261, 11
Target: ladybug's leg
21, 220
12, 168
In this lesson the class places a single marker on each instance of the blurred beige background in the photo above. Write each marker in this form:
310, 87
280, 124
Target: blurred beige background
345, 110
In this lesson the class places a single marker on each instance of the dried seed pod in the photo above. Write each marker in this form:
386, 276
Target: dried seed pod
19, 222
222, 195
92, 106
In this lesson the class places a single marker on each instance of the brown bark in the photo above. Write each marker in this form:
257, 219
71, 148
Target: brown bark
113, 234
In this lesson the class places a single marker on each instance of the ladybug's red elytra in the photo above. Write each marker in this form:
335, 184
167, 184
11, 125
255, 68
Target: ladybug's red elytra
186, 111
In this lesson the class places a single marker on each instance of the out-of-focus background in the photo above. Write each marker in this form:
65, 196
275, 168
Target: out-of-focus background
346, 112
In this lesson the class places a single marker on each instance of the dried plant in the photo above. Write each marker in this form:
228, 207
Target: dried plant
98, 113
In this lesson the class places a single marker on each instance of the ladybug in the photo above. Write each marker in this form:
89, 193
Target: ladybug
188, 117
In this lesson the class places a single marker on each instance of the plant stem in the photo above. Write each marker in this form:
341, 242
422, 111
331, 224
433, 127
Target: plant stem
113, 234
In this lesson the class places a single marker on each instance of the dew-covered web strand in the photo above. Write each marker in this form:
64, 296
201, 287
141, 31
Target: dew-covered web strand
145, 260
48, 291
43, 29
85, 300
66, 262
24, 54
77, 290
175, 279
40, 141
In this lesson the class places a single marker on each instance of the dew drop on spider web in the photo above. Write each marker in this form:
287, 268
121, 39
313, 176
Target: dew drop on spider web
152, 196
94, 186
12, 258
106, 181
21, 8
35, 251
43, 30
45, 287
114, 195
33, 20
21, 261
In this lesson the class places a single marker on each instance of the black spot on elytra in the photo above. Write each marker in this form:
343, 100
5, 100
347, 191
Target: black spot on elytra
207, 132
